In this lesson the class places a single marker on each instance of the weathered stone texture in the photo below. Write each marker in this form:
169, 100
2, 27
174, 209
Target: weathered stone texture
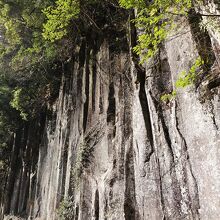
146, 160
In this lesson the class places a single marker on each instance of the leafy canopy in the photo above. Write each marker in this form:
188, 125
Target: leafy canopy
59, 18
22, 45
155, 20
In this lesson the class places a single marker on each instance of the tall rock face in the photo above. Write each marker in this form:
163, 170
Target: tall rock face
111, 149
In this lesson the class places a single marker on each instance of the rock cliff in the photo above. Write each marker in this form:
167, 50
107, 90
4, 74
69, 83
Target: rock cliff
110, 148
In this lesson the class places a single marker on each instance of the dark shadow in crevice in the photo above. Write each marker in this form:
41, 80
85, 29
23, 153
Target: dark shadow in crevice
76, 213
111, 105
214, 83
146, 112
141, 79
203, 43
96, 205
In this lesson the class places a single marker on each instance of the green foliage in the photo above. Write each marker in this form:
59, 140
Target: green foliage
21, 101
59, 18
25, 56
22, 44
155, 20
9, 24
129, 4
6, 130
26, 59
66, 209
185, 79
168, 97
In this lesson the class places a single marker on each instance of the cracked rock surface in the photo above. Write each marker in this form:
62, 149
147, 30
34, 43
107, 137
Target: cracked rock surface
115, 148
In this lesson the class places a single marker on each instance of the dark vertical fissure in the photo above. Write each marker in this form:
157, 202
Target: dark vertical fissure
96, 205
76, 213
111, 105
203, 42
141, 79
146, 111
202, 38
101, 99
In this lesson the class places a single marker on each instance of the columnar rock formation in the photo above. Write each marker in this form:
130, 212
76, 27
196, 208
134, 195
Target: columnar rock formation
113, 147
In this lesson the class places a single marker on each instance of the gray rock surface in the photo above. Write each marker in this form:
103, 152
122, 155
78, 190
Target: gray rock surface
120, 152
